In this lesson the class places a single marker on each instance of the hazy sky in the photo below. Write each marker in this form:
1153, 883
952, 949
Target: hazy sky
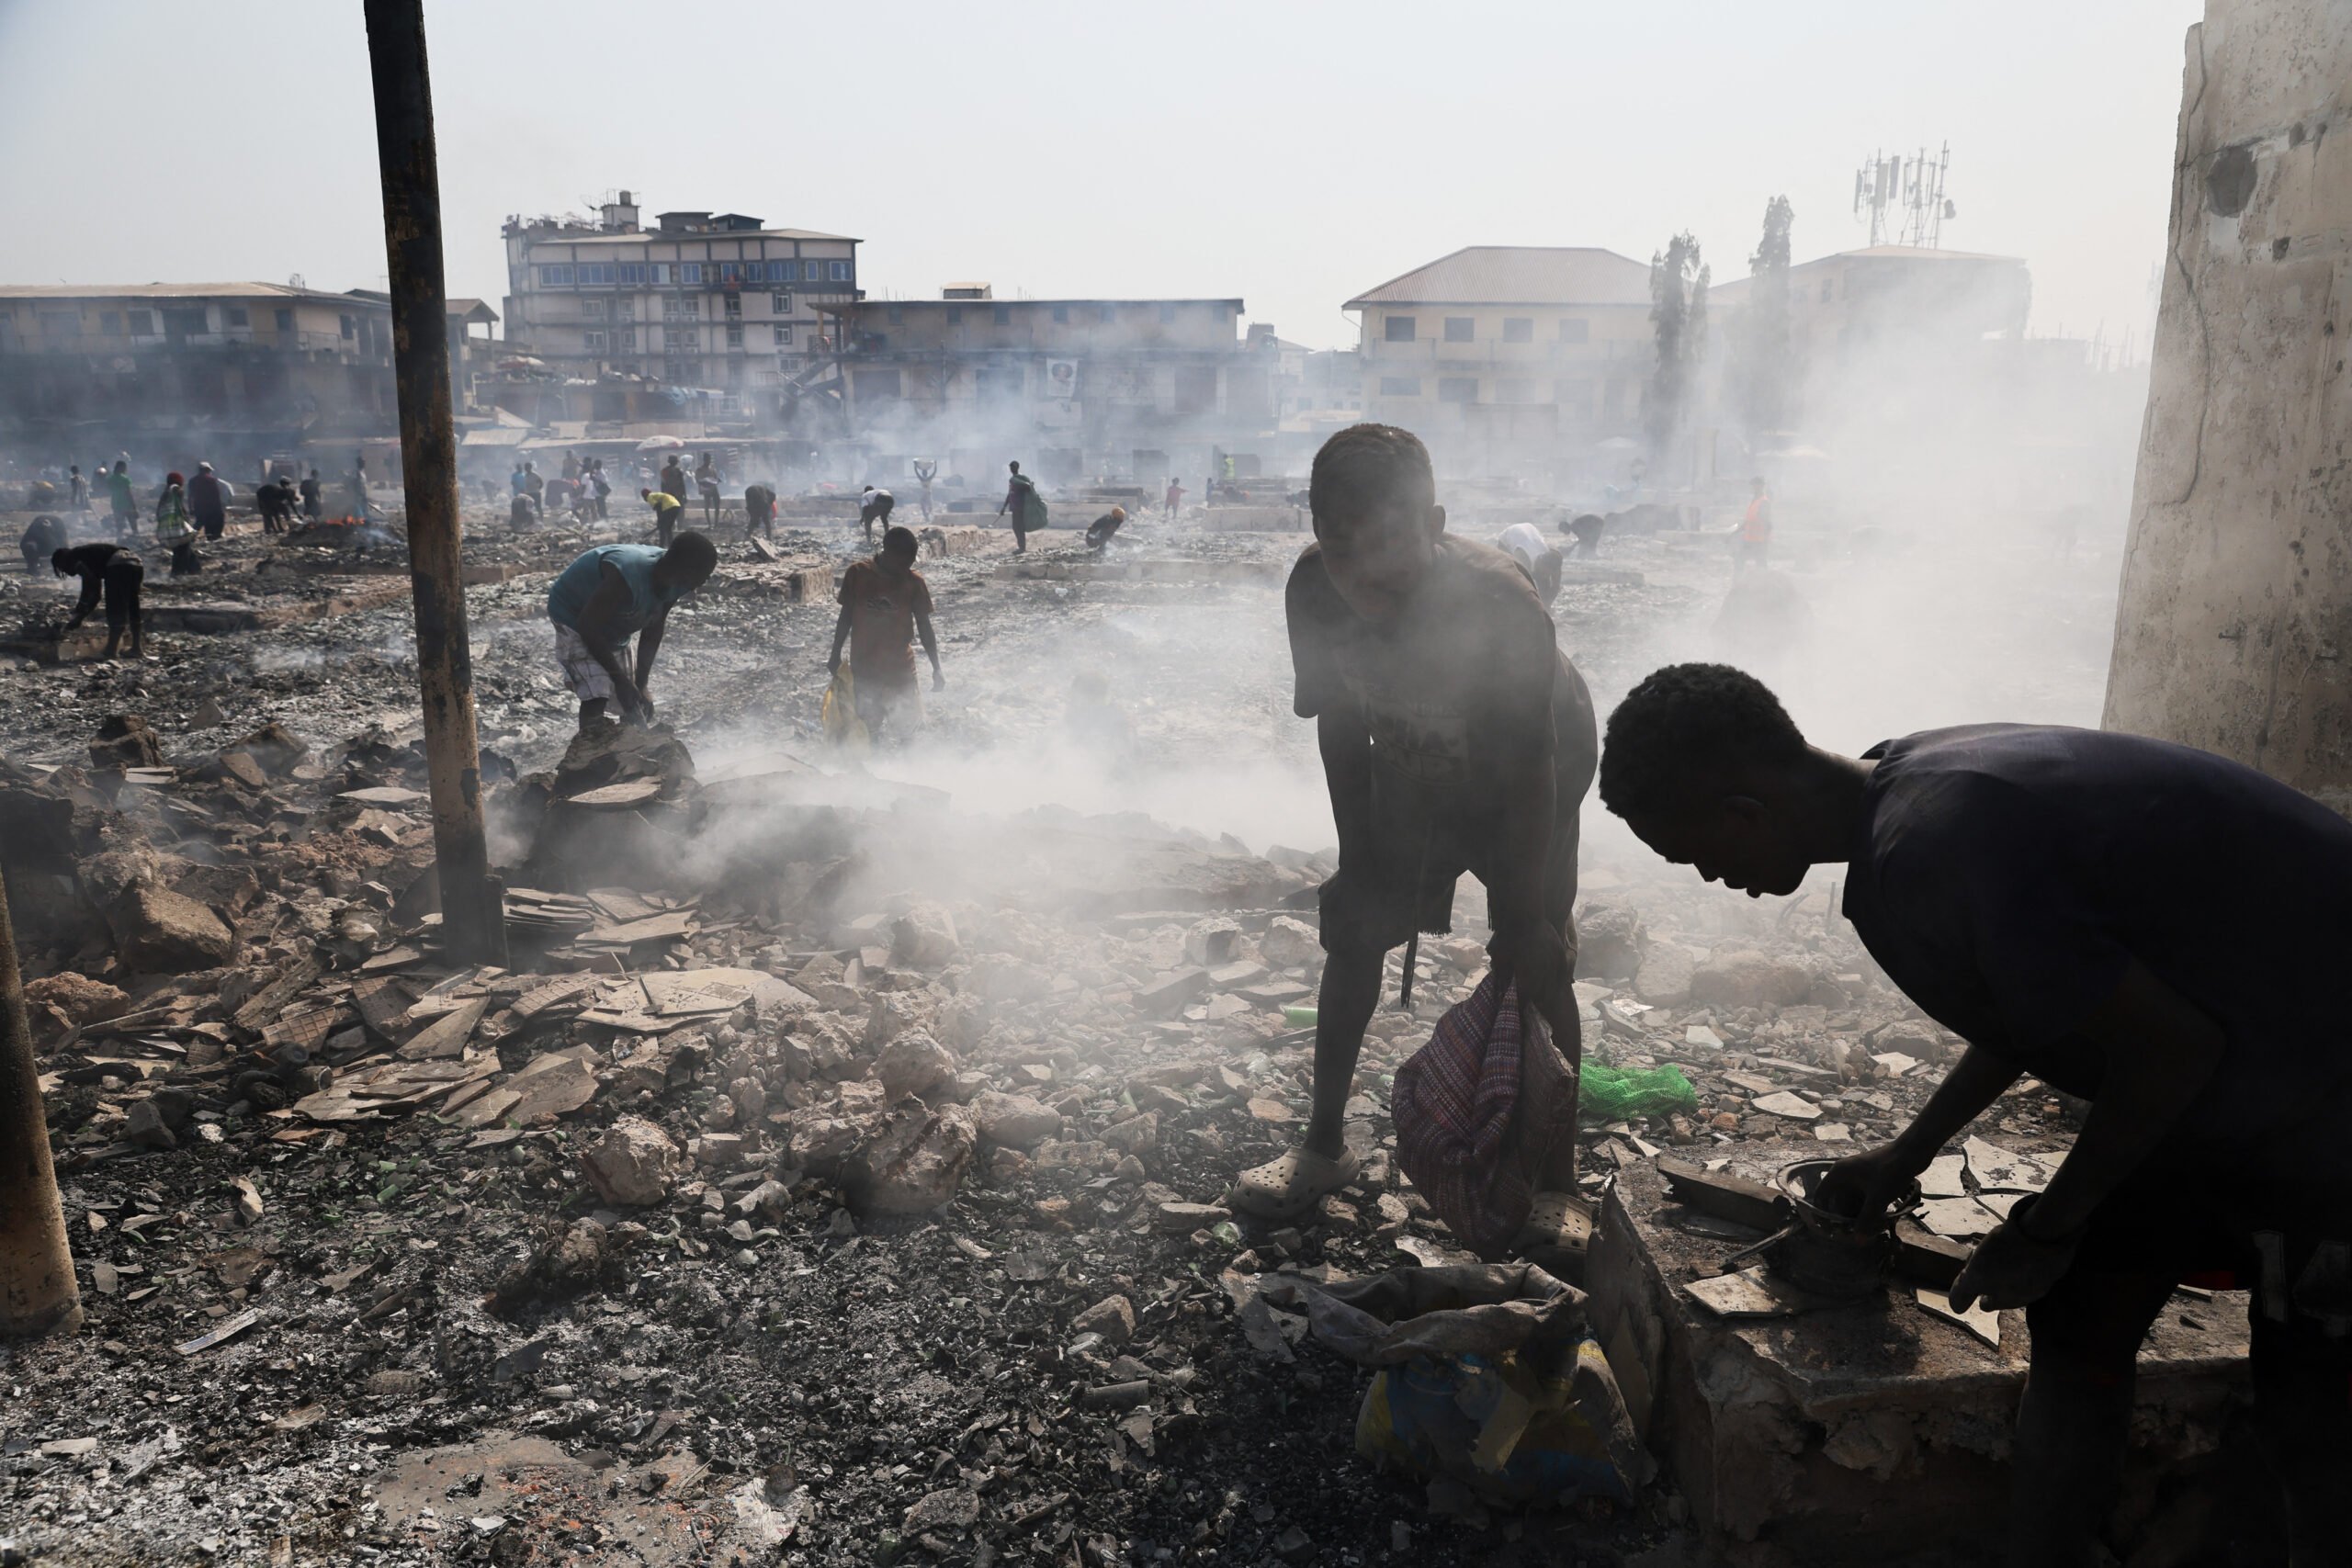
1289, 153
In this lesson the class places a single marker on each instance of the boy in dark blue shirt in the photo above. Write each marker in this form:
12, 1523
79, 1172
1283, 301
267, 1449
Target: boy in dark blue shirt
2156, 929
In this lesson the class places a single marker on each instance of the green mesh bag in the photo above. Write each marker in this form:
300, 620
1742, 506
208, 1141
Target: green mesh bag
1619, 1094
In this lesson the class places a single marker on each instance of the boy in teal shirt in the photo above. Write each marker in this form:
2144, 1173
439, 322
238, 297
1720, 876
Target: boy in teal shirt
610, 594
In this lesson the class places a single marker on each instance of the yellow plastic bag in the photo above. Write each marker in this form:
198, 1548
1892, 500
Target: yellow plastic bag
843, 726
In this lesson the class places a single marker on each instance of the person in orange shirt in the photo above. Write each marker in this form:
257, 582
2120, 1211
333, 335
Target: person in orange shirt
886, 605
1755, 527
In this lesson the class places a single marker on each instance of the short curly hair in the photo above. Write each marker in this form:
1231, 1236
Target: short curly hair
1685, 724
1368, 467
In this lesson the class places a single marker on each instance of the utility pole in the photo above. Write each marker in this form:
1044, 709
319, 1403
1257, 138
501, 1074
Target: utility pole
473, 916
38, 1294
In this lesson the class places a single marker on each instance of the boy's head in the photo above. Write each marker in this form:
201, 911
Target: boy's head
687, 564
62, 562
899, 548
1373, 499
1758, 482
1700, 760
1015, 467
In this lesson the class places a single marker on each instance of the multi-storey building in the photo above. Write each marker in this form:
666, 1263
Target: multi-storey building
1090, 373
702, 300
1503, 348
250, 368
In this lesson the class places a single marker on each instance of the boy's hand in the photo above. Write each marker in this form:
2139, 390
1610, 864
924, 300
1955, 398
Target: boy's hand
1863, 1185
2012, 1267
1535, 957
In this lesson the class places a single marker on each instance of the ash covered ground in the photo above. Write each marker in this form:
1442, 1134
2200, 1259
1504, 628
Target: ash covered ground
908, 1248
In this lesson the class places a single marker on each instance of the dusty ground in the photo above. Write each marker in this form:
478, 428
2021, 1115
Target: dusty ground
748, 1356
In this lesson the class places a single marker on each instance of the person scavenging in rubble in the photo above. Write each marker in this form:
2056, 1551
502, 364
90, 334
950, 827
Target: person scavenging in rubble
1021, 499
667, 510
126, 505
874, 506
1756, 526
535, 485
519, 514
313, 497
570, 470
1174, 498
42, 538
1455, 736
1525, 543
275, 500
926, 470
759, 511
706, 482
208, 502
2151, 928
674, 479
610, 594
886, 605
1586, 529
174, 530
1103, 529
116, 572
80, 487
602, 486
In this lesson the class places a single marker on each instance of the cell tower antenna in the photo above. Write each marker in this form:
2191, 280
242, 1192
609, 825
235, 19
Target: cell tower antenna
1904, 195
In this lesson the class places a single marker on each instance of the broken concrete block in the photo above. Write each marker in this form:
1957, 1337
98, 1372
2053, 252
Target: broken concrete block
914, 1064
78, 998
276, 748
1610, 940
1212, 943
1172, 994
124, 741
915, 1163
1663, 977
1135, 1135
158, 931
1015, 1121
632, 1165
1290, 943
1746, 979
1114, 1318
893, 1013
924, 938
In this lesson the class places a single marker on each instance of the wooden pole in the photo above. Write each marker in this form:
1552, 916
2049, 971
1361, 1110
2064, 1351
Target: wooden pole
473, 920
38, 1294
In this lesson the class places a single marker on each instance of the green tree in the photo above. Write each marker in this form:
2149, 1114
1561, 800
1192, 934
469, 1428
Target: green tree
1766, 374
1679, 319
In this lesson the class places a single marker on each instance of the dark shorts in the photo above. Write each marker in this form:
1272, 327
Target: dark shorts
124, 576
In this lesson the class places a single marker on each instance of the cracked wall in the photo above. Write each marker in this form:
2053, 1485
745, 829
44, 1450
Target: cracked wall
2236, 604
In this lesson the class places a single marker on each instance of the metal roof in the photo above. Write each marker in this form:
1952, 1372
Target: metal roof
174, 292
658, 237
1516, 275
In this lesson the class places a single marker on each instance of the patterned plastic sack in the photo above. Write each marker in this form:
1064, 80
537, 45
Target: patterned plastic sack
1477, 1109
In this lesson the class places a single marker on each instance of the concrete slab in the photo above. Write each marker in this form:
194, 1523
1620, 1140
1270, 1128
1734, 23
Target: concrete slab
1862, 1433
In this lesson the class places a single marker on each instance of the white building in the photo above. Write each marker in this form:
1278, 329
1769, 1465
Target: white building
702, 300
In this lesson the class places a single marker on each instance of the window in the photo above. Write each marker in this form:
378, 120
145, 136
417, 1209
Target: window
734, 334
596, 342
781, 304
730, 272
1461, 329
1575, 328
1458, 388
110, 323
838, 272
142, 323
599, 273
735, 307
783, 334
1400, 328
659, 274
690, 272
1062, 315
1824, 291
348, 328
632, 272
1514, 390
555, 278
286, 320
237, 316
781, 272
1518, 329
955, 315
1167, 315
627, 308
626, 338
1002, 315
1400, 385
687, 339
594, 310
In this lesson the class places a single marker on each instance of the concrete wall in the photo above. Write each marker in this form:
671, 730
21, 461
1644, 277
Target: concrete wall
2235, 614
